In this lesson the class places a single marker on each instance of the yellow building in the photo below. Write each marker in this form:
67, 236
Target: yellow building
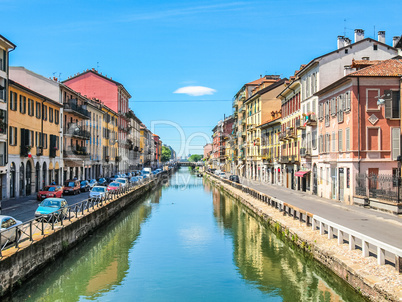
146, 146
259, 107
110, 146
34, 140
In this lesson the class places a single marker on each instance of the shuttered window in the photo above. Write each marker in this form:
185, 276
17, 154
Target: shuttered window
347, 139
340, 141
396, 142
347, 101
333, 106
340, 108
392, 104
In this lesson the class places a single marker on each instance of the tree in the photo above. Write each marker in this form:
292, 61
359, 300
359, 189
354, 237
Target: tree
195, 158
166, 154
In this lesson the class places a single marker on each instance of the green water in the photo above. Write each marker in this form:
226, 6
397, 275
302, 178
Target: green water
185, 241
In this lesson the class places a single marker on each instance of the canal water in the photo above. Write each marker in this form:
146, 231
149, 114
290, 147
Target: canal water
185, 241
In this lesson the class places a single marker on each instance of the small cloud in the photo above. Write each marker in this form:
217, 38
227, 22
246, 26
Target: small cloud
195, 90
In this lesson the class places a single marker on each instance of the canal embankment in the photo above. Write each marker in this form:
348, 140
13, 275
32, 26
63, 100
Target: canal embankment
23, 261
373, 281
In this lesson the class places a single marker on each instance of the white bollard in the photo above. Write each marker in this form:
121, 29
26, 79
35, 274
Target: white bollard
340, 237
380, 256
322, 231
365, 248
352, 243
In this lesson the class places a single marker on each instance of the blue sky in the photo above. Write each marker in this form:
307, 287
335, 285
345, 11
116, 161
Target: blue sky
155, 48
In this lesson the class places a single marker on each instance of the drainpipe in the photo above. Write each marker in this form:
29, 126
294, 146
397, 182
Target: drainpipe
358, 124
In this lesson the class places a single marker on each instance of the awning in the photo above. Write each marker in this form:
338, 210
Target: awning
301, 173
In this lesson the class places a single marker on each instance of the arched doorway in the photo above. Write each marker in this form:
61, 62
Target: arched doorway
51, 178
22, 179
37, 176
44, 172
28, 178
315, 179
12, 180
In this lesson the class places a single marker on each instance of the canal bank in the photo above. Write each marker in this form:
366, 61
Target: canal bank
378, 283
31, 256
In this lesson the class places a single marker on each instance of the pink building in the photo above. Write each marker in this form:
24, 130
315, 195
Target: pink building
111, 93
359, 138
207, 150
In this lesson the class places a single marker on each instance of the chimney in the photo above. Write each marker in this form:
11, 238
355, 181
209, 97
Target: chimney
347, 42
395, 41
381, 36
359, 35
341, 42
347, 69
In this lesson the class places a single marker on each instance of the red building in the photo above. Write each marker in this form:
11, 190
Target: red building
221, 132
93, 84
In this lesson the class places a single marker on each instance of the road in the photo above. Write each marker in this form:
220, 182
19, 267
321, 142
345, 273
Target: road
23, 208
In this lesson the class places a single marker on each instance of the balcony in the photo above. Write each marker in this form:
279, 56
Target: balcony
291, 133
305, 152
294, 159
284, 160
311, 119
76, 152
24, 150
241, 109
76, 131
300, 124
117, 159
282, 137
72, 106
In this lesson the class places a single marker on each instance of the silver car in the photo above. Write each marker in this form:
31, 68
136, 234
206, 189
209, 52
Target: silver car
97, 192
8, 231
123, 181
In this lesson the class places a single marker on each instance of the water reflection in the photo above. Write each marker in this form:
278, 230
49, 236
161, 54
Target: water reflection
272, 266
96, 266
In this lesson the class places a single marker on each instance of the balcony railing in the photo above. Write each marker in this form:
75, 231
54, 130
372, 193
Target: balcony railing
291, 133
294, 158
300, 124
72, 106
74, 130
282, 136
311, 119
284, 159
305, 152
75, 150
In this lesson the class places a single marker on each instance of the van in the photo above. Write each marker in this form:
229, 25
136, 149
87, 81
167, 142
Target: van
72, 187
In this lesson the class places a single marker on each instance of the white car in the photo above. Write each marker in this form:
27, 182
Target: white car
97, 192
123, 181
7, 230
223, 175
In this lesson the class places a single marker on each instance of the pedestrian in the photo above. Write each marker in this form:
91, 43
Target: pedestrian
53, 182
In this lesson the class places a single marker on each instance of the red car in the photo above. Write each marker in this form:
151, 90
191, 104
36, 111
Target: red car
113, 186
50, 191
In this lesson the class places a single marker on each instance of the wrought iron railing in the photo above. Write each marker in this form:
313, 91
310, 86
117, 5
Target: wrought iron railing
379, 186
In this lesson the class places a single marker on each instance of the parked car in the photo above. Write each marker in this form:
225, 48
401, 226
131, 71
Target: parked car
102, 181
84, 186
93, 183
8, 233
113, 186
50, 191
129, 175
135, 179
222, 175
97, 191
52, 207
234, 178
72, 187
217, 172
123, 181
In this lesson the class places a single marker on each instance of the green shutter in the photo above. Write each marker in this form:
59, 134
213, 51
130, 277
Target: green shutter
388, 104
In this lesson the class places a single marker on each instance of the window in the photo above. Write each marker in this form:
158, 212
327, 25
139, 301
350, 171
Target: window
23, 104
50, 114
327, 113
314, 139
373, 139
392, 104
13, 101
44, 112
44, 141
396, 141
347, 101
321, 111
333, 141
30, 107
347, 138
346, 51
36, 138
333, 106
340, 141
3, 121
375, 47
38, 111
56, 117
340, 108
13, 136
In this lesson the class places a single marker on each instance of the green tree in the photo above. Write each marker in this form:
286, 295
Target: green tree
166, 154
195, 158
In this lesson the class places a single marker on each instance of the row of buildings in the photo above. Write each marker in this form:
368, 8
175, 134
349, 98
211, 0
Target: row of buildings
332, 129
51, 131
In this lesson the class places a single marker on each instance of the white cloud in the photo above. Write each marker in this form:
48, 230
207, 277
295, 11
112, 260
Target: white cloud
195, 90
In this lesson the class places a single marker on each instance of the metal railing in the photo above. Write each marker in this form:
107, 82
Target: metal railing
29, 232
379, 186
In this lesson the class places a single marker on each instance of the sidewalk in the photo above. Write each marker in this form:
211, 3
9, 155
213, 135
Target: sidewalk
382, 226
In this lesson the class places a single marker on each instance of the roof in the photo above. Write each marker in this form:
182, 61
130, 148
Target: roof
359, 64
98, 74
270, 122
12, 45
386, 68
343, 48
264, 78
268, 88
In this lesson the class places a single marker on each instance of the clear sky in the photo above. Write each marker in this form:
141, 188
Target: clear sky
154, 48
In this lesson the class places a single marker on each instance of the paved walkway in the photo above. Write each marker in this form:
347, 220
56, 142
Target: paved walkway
382, 226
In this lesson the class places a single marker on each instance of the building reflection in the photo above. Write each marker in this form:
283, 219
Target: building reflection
96, 266
267, 262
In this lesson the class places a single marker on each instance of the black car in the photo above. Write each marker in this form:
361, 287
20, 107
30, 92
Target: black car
102, 181
234, 178
85, 186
